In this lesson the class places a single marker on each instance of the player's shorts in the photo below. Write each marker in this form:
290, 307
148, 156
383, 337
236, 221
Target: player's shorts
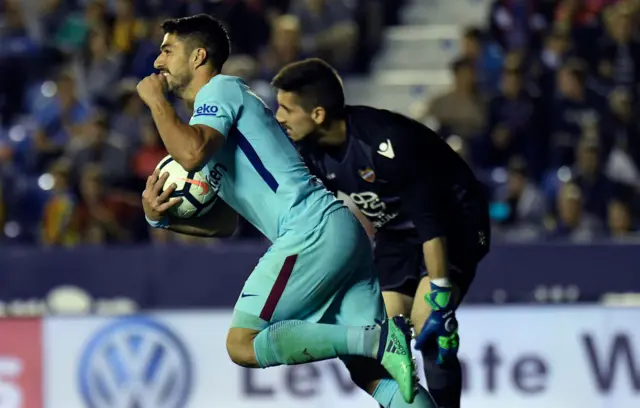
399, 259
326, 276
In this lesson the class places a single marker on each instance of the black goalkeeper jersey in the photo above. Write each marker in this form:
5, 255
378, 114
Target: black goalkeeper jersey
402, 176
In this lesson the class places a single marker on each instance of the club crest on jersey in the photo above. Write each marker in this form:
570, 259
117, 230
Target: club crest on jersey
368, 174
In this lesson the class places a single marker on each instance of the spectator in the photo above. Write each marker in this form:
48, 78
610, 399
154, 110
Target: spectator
3, 215
573, 223
556, 48
619, 220
512, 123
101, 148
70, 36
619, 53
574, 108
126, 27
581, 18
58, 121
524, 200
516, 24
621, 140
460, 111
99, 69
18, 59
59, 221
486, 57
328, 30
129, 116
284, 46
103, 216
146, 49
240, 14
589, 176
147, 157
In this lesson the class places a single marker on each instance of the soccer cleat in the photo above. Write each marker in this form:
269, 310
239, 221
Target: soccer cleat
394, 353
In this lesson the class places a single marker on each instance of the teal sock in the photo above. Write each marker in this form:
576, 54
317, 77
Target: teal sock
388, 396
297, 342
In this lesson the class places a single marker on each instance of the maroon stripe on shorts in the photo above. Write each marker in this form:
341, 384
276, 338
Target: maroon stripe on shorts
278, 288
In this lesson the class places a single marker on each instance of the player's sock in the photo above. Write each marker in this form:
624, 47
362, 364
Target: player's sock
388, 396
297, 342
444, 381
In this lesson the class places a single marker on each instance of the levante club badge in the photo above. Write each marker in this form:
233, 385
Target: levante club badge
368, 174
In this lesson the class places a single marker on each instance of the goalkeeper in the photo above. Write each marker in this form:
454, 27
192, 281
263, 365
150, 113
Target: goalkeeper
420, 197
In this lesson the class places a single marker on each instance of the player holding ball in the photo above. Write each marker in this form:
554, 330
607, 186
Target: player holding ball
421, 197
315, 294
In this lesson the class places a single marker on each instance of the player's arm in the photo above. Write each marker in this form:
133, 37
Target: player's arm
421, 200
215, 109
419, 190
189, 145
221, 222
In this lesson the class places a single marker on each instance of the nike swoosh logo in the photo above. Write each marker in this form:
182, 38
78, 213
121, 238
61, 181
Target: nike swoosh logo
244, 295
203, 185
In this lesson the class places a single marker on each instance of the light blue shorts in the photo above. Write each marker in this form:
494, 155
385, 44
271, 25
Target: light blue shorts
326, 276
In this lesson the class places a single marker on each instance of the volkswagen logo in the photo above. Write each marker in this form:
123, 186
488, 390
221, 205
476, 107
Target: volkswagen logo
135, 362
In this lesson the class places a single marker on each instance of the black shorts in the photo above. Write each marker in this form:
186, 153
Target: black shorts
400, 261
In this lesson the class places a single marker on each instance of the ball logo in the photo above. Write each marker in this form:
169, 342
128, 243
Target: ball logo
135, 362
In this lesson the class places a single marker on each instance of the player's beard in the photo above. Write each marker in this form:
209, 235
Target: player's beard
178, 84
309, 141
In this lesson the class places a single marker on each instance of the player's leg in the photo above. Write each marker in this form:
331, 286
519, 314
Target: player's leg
397, 303
444, 381
361, 303
397, 263
278, 326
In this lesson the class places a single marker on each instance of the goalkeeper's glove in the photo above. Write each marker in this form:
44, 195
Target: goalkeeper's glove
441, 323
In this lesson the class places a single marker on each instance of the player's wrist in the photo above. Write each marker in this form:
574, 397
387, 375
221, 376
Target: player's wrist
161, 223
440, 283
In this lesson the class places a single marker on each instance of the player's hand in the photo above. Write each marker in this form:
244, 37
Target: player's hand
441, 324
152, 88
156, 202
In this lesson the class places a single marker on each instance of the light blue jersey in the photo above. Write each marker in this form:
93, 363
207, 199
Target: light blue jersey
258, 171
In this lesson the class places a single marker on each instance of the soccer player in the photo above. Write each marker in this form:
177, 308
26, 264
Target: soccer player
314, 295
426, 205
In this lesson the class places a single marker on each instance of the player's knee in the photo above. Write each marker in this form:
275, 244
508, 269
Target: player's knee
419, 316
240, 347
366, 373
397, 303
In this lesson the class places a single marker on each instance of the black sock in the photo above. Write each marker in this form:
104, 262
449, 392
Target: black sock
444, 381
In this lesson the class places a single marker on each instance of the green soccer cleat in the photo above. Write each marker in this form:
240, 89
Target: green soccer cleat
394, 353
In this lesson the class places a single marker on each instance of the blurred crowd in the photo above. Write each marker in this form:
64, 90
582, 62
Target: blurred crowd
544, 106
77, 143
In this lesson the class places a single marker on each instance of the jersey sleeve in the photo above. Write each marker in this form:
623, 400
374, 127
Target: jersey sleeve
401, 160
217, 105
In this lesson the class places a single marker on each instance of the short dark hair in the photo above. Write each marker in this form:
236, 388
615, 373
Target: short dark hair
577, 68
460, 63
516, 71
473, 33
202, 30
315, 82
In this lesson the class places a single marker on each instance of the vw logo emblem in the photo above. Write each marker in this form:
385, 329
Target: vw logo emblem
135, 362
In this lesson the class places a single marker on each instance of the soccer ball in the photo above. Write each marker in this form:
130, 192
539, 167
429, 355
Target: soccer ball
197, 195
